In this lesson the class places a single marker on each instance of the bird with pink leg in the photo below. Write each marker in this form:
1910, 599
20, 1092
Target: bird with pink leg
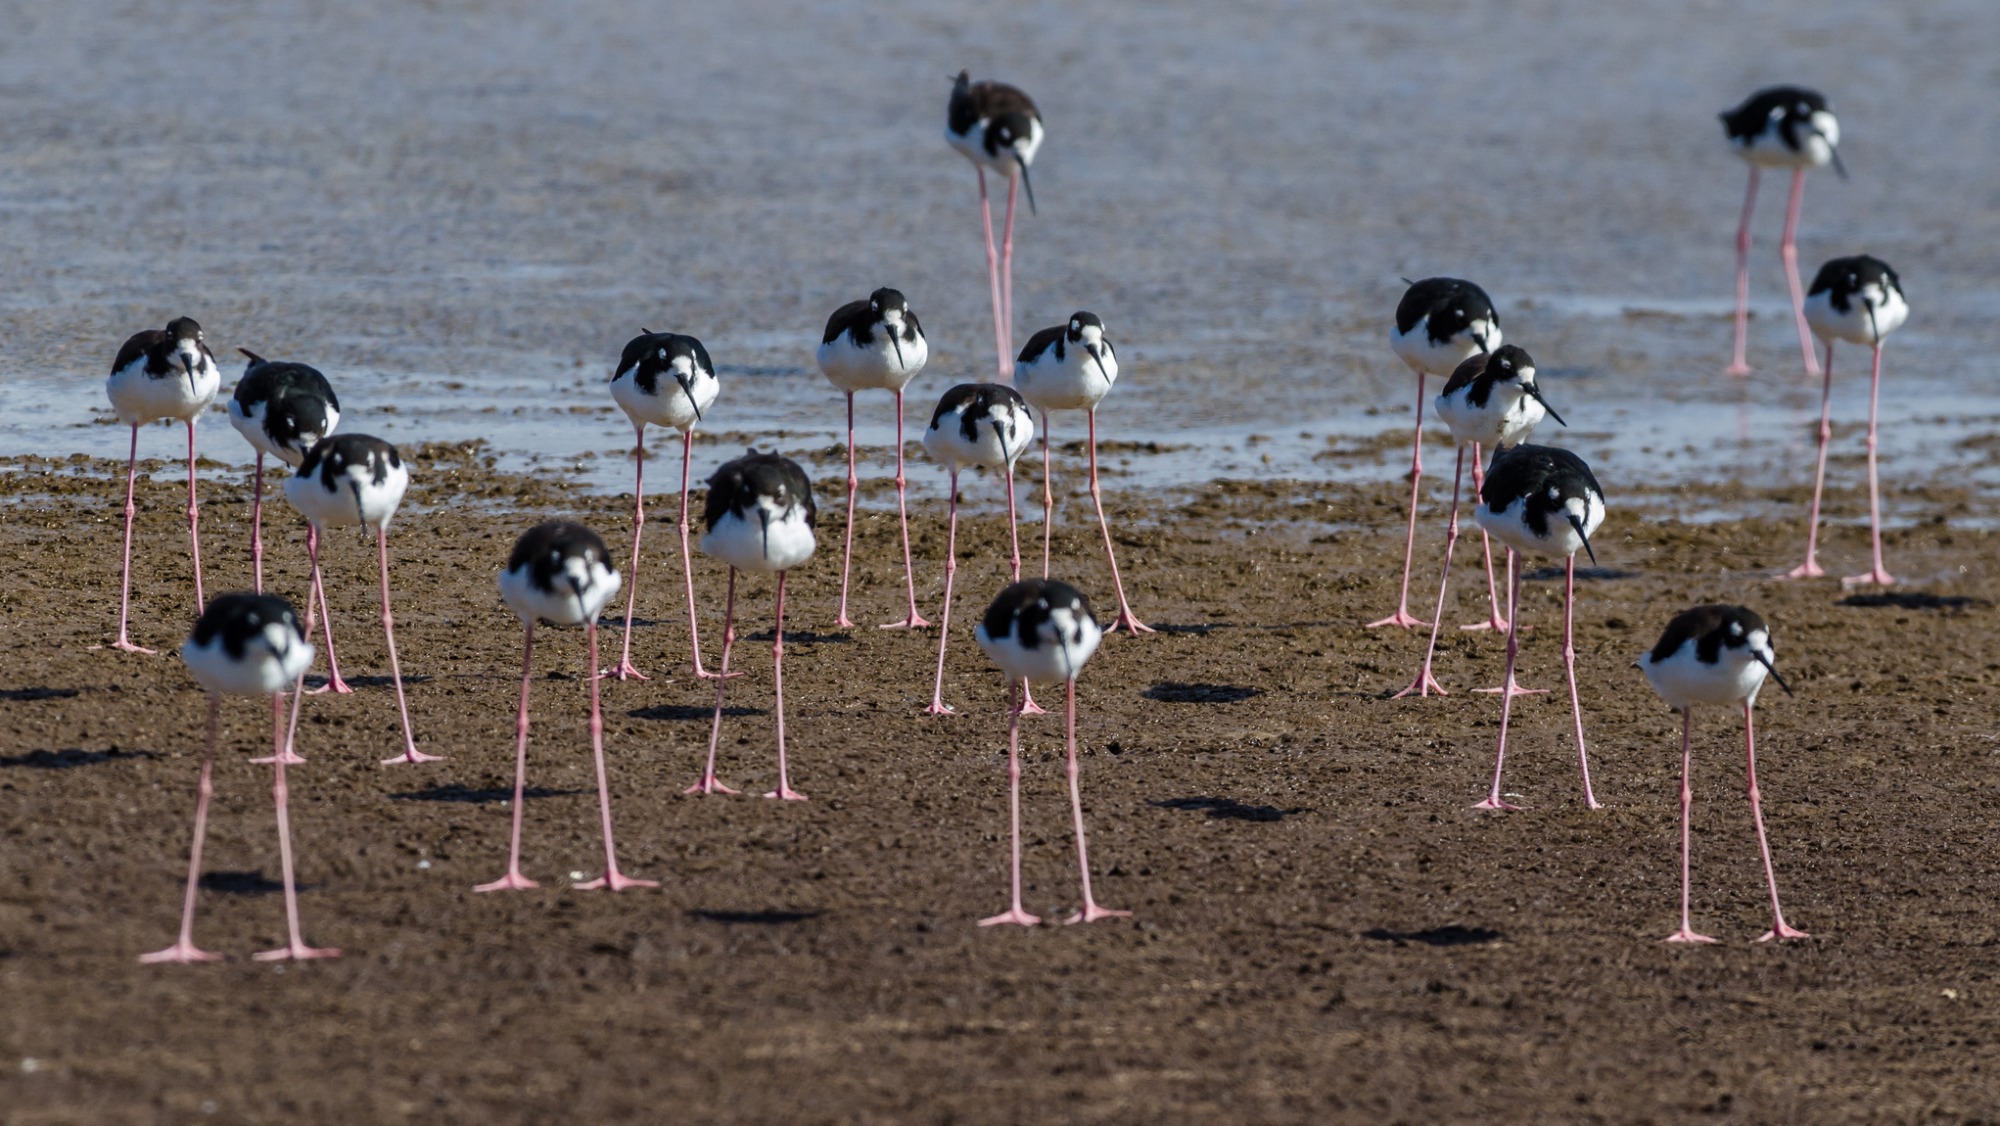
875, 345
999, 129
1069, 367
1041, 630
560, 573
760, 517
160, 374
975, 425
1543, 501
1717, 655
665, 379
1859, 300
243, 645
1780, 127
354, 481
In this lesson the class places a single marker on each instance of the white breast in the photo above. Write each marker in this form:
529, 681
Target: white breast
1417, 350
139, 398
1047, 661
1000, 438
1073, 383
667, 405
876, 367
567, 606
1682, 680
338, 508
1855, 326
259, 672
1509, 416
746, 545
1510, 526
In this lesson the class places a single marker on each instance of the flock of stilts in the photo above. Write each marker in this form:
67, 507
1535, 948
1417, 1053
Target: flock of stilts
760, 515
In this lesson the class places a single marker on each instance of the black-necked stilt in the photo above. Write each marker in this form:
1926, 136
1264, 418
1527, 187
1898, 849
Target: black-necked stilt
560, 572
1440, 323
1860, 300
1541, 500
759, 517
1069, 367
1717, 655
1779, 127
975, 424
666, 379
875, 345
1492, 400
243, 645
996, 126
281, 409
354, 480
160, 374
1041, 629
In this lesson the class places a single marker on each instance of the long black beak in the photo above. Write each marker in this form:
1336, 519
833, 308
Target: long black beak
764, 518
1099, 357
575, 591
1872, 329
1031, 190
1480, 339
354, 487
1773, 669
187, 366
687, 388
1536, 393
896, 341
1576, 523
1835, 150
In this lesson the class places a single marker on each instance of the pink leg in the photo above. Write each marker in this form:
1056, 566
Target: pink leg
1508, 566
784, 791
613, 879
1402, 618
626, 670
1048, 497
257, 525
287, 749
1126, 618
1811, 569
687, 558
410, 751
1778, 927
1507, 694
707, 784
1879, 575
1091, 911
514, 880
333, 683
185, 950
903, 516
847, 552
1789, 250
1425, 683
937, 705
194, 526
1494, 620
296, 949
1569, 665
1687, 932
1028, 705
1006, 368
1738, 364
1007, 278
125, 584
1015, 914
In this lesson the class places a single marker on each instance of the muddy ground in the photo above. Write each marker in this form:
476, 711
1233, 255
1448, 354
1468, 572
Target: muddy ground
1323, 929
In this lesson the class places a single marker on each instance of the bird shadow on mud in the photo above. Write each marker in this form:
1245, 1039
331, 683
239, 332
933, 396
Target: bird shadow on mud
470, 796
1585, 574
1914, 600
244, 883
768, 917
70, 758
1176, 692
1449, 935
689, 711
24, 695
1229, 809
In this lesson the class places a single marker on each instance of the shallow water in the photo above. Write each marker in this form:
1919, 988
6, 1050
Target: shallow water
461, 217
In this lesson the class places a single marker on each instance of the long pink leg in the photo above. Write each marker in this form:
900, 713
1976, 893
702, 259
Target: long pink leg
287, 749
1494, 619
1048, 497
333, 683
125, 584
626, 670
847, 551
1509, 565
1810, 569
1738, 364
1569, 665
1687, 932
1425, 683
937, 705
185, 950
903, 516
514, 880
993, 279
613, 879
1879, 575
707, 784
1507, 692
1789, 250
1007, 278
1015, 914
687, 558
1402, 618
1126, 618
194, 526
1028, 705
784, 791
410, 751
1778, 927
296, 949
1091, 911
257, 525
